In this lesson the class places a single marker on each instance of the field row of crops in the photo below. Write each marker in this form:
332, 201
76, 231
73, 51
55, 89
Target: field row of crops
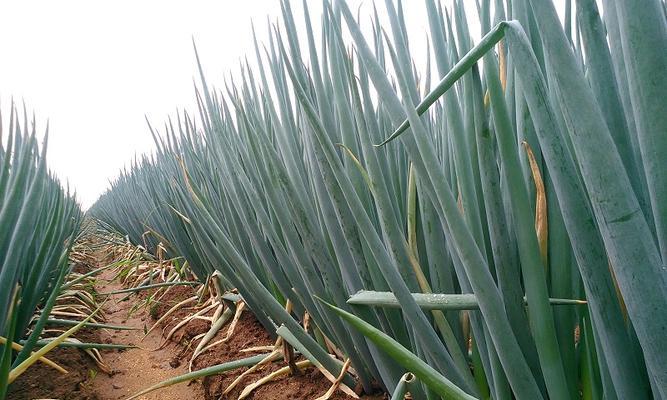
535, 178
500, 233
40, 221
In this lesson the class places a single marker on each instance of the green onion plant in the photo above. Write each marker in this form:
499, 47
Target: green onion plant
528, 179
40, 221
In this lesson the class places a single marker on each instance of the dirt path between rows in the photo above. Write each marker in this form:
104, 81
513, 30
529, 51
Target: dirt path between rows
136, 369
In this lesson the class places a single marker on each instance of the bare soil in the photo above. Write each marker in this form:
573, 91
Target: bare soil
41, 381
136, 369
139, 368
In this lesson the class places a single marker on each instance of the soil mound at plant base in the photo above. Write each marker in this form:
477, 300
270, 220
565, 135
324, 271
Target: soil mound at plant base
248, 333
41, 381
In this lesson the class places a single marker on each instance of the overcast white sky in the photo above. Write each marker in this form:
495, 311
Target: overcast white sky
94, 69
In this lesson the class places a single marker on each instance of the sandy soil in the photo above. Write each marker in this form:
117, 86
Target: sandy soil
136, 369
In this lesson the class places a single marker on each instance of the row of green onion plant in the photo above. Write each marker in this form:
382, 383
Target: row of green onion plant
527, 180
40, 221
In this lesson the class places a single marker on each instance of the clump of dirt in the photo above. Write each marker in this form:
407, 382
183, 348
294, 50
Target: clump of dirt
310, 385
247, 333
250, 333
41, 381
174, 295
156, 305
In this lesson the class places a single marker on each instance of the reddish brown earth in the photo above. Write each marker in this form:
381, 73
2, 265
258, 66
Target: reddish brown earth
247, 333
136, 369
41, 382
